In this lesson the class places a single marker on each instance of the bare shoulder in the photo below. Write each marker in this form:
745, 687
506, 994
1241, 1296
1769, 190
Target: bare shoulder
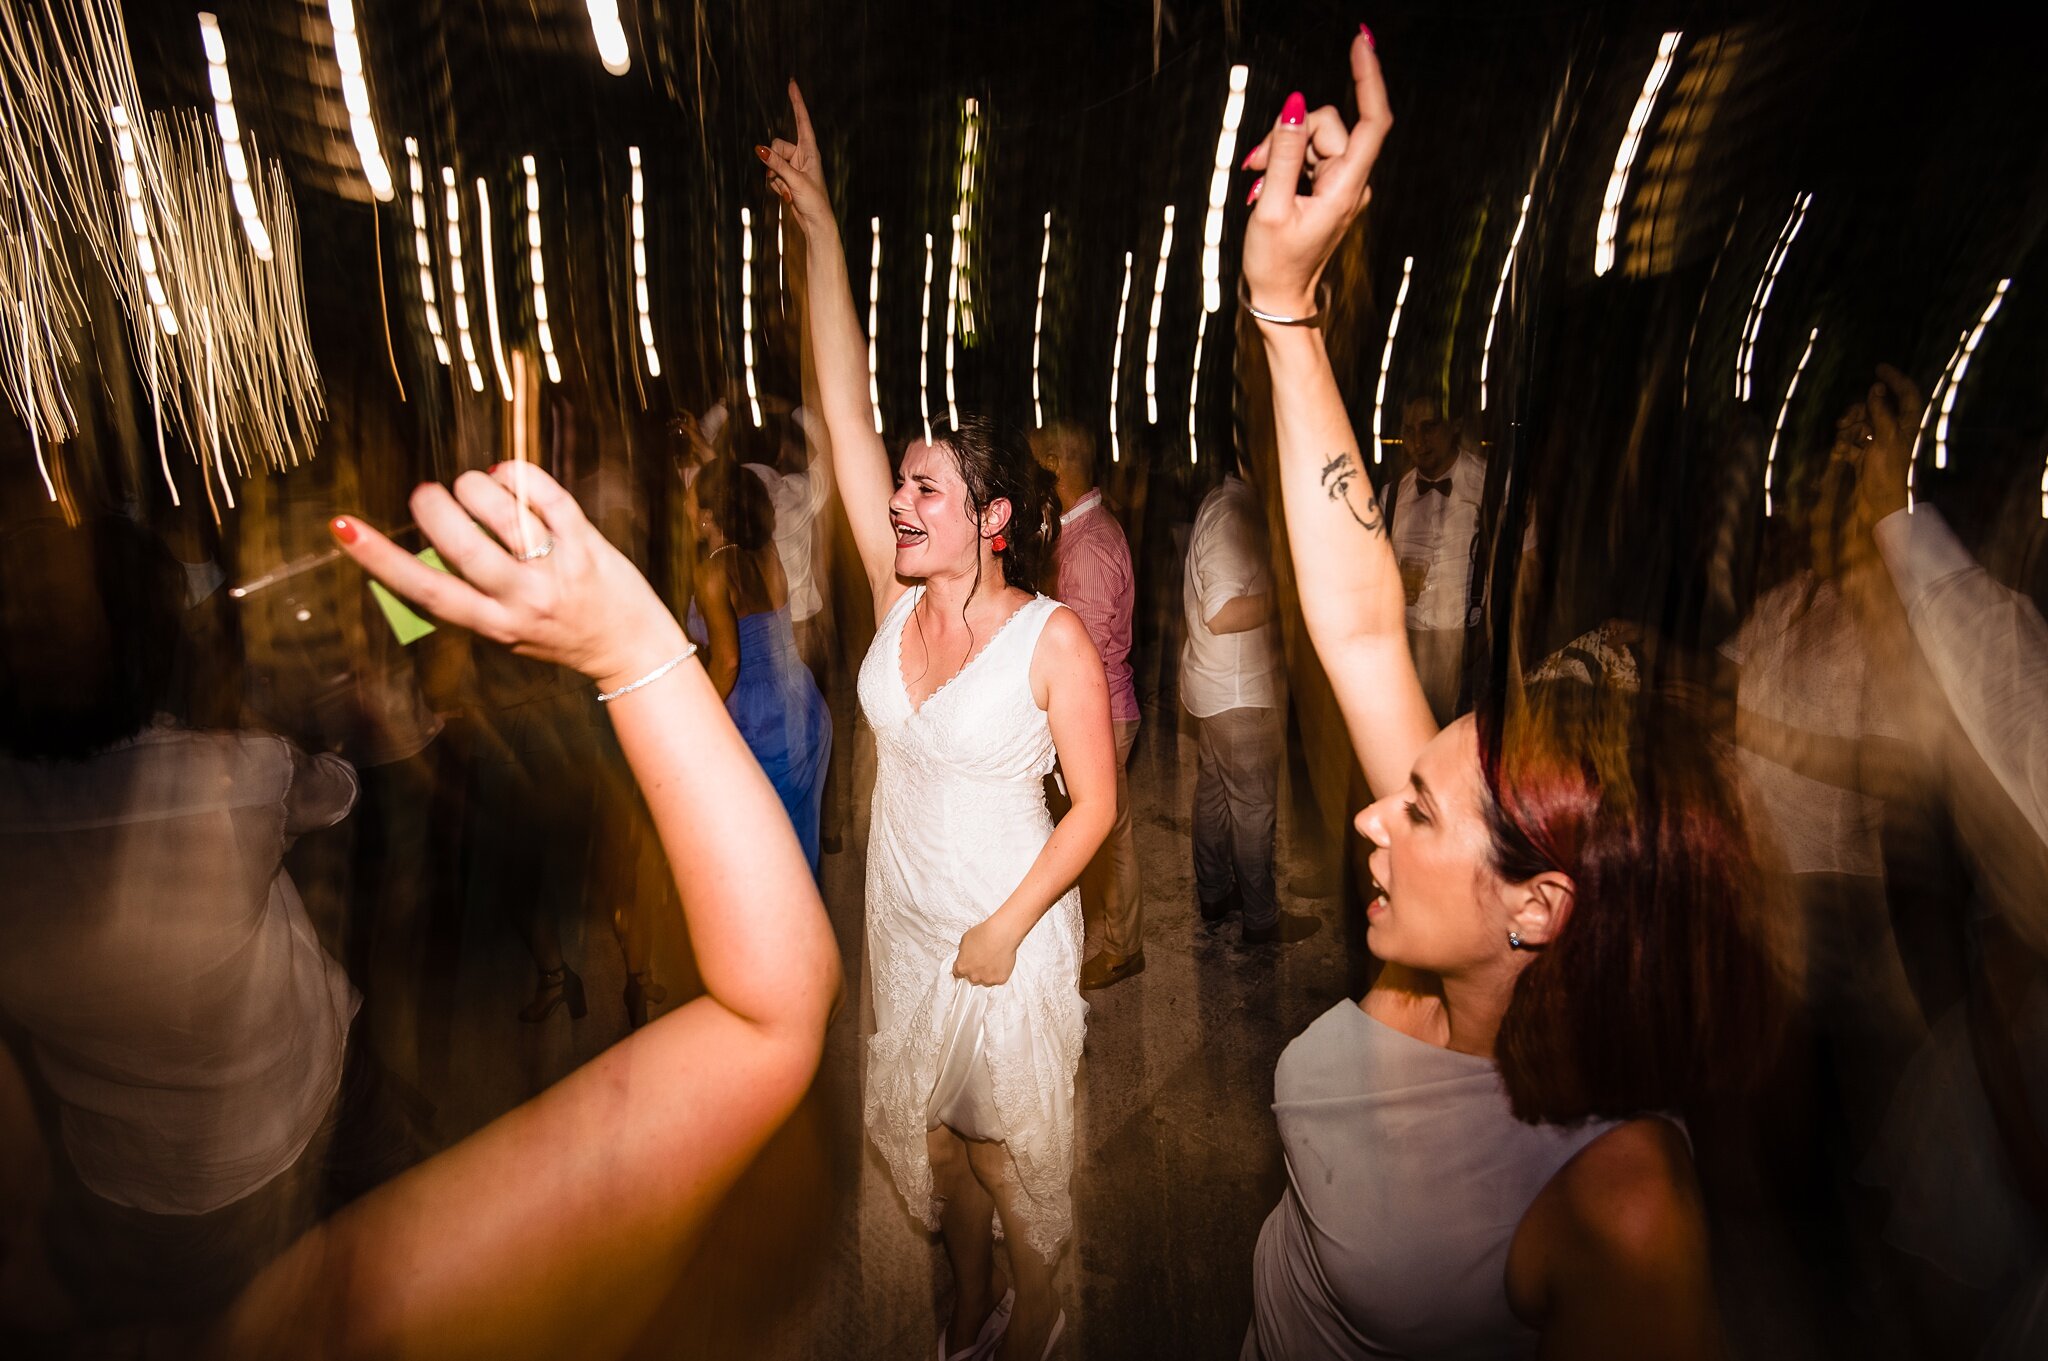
1631, 1197
1065, 660
1065, 641
1612, 1259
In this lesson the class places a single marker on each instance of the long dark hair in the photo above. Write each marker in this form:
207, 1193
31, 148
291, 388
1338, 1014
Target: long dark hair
738, 503
996, 464
1660, 991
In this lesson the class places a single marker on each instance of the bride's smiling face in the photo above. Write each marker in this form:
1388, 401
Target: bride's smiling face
936, 529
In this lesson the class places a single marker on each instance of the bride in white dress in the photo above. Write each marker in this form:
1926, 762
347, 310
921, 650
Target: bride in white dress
974, 685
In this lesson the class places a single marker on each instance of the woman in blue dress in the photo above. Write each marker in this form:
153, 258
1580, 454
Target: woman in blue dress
742, 605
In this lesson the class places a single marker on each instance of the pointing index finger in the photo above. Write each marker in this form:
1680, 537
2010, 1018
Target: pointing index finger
805, 141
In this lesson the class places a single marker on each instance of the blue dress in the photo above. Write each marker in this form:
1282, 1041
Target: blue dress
778, 709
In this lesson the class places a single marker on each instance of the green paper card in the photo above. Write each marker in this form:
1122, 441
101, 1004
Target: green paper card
409, 626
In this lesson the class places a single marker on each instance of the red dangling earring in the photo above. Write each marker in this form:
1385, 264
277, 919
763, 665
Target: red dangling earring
998, 543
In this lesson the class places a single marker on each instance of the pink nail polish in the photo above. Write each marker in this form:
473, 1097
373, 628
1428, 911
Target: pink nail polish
1369, 39
1248, 159
1294, 110
1257, 184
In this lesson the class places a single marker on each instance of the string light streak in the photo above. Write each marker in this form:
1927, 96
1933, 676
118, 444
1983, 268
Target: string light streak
1152, 334
35, 429
610, 35
747, 311
458, 290
1219, 186
483, 235
231, 134
537, 272
970, 157
640, 299
952, 310
1195, 383
1500, 291
1038, 324
924, 345
355, 93
1379, 396
1625, 155
1116, 361
423, 251
1927, 415
874, 317
1771, 458
138, 221
1962, 369
1753, 324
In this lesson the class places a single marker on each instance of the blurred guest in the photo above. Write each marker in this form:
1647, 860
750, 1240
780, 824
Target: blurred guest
1230, 682
799, 485
1095, 580
1434, 510
180, 1011
745, 601
557, 1229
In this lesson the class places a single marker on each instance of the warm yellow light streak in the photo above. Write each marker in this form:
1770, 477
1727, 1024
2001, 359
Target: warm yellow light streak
1195, 383
35, 428
610, 35
1152, 333
747, 311
1771, 458
355, 93
1962, 369
1116, 359
1625, 155
640, 298
952, 311
458, 288
138, 221
1219, 186
874, 317
1753, 324
1927, 415
422, 250
483, 236
924, 345
231, 135
1038, 324
1379, 396
1500, 291
962, 285
537, 272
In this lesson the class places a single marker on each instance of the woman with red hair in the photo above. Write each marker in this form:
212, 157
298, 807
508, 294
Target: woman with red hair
1484, 1155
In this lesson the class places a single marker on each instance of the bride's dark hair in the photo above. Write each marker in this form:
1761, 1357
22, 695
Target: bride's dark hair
996, 464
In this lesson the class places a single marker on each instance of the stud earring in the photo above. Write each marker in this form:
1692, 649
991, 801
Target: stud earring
998, 543
1515, 941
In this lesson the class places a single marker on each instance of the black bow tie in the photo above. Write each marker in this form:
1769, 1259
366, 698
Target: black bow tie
1441, 486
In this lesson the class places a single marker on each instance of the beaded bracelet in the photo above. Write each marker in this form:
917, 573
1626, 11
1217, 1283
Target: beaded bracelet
689, 651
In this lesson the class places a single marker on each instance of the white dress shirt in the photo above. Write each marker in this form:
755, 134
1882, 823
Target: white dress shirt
1987, 646
1226, 560
1436, 530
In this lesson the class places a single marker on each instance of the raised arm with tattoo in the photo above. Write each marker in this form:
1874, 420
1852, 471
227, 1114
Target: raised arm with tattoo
1344, 563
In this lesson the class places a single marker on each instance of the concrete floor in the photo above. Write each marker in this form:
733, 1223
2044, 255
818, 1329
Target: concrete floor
815, 1257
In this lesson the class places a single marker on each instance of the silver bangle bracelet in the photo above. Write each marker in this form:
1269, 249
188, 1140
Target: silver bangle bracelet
1315, 318
689, 651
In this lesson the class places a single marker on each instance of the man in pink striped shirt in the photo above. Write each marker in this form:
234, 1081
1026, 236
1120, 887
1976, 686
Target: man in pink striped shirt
1095, 581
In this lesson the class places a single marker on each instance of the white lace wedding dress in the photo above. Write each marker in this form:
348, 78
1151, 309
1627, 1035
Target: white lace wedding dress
959, 816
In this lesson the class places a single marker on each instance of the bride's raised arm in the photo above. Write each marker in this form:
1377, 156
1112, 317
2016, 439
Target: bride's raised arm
860, 462
1350, 585
557, 1229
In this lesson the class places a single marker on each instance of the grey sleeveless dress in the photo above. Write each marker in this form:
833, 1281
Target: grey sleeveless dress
1406, 1178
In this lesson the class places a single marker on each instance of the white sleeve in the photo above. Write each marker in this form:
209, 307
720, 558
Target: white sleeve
1987, 646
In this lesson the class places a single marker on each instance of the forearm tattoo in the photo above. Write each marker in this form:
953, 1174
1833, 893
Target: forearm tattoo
1338, 476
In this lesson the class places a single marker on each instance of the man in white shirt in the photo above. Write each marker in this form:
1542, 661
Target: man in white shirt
1435, 514
1230, 682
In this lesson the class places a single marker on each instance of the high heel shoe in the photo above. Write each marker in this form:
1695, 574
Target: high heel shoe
991, 1334
641, 989
556, 987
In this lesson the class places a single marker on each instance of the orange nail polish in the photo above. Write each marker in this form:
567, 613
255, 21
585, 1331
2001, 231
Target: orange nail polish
343, 529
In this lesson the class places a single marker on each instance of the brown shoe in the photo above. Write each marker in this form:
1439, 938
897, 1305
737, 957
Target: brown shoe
1106, 970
